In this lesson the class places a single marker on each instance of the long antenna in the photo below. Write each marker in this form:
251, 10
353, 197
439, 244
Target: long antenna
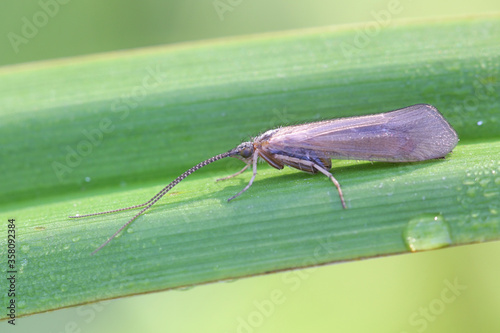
154, 199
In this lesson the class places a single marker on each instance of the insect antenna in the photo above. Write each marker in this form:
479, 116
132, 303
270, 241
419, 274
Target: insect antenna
154, 199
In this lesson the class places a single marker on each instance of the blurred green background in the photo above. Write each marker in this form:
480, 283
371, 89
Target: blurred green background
407, 293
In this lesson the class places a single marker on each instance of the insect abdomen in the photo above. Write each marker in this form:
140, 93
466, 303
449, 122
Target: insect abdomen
302, 159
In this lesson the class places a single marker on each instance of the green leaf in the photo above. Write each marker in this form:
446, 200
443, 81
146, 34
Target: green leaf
102, 132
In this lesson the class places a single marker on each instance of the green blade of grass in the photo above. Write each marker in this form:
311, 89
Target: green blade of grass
102, 132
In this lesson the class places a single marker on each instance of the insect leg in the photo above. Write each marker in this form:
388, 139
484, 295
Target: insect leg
254, 163
234, 174
335, 182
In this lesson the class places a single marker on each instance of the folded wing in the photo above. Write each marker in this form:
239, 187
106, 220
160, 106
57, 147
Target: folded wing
414, 133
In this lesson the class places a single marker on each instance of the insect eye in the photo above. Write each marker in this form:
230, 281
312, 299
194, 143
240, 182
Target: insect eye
246, 152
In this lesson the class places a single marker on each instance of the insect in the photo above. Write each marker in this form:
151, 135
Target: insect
415, 133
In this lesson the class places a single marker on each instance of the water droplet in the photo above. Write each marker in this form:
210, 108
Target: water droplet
130, 230
76, 239
64, 287
426, 232
471, 192
25, 248
469, 182
87, 179
484, 182
490, 193
481, 185
479, 123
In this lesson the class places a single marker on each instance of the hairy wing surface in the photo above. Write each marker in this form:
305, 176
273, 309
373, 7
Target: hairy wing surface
415, 133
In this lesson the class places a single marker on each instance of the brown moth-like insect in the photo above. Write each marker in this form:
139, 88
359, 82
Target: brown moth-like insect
415, 133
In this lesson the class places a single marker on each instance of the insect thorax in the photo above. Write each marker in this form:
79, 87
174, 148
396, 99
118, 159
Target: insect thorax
266, 135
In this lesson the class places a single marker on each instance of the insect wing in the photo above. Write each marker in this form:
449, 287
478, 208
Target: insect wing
414, 133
